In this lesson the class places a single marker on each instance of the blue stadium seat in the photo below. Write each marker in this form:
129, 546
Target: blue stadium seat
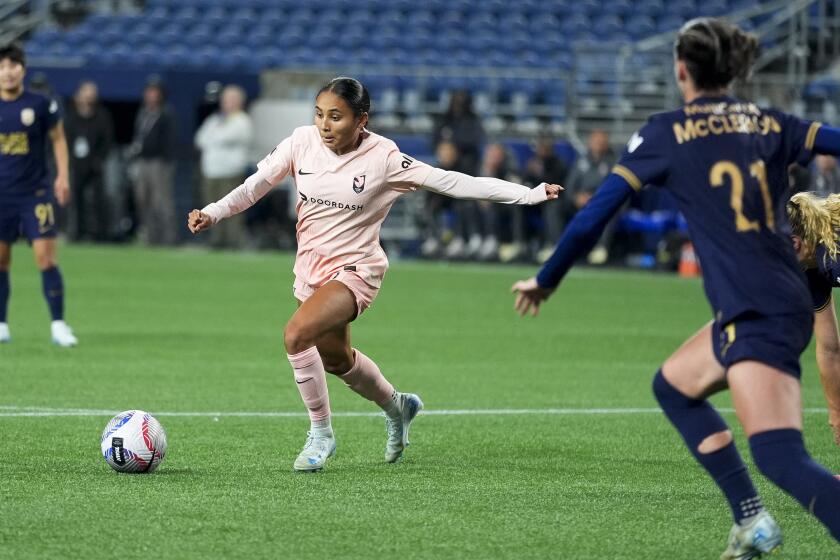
607, 26
641, 26
653, 8
669, 23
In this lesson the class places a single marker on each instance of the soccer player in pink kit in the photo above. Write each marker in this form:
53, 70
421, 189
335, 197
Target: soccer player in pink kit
347, 179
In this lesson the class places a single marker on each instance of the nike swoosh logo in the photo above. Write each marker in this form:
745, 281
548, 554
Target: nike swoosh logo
302, 382
301, 172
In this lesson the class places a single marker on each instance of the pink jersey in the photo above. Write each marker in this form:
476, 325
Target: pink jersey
342, 200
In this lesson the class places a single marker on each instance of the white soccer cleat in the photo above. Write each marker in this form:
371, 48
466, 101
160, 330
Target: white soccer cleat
758, 535
410, 405
5, 335
62, 334
318, 448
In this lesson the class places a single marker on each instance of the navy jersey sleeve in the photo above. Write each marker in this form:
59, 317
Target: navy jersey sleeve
823, 278
50, 113
820, 288
827, 141
799, 138
647, 157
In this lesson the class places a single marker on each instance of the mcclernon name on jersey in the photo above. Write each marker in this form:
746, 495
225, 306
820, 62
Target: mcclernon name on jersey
724, 118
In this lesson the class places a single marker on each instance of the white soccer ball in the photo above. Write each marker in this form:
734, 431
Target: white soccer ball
133, 442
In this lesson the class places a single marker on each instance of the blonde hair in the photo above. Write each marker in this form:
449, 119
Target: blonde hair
816, 220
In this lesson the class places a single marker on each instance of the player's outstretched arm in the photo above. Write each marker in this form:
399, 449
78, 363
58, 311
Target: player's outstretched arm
827, 141
459, 185
270, 171
828, 362
580, 236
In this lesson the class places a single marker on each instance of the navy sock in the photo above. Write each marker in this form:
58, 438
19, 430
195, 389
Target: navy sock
54, 292
4, 294
781, 456
696, 420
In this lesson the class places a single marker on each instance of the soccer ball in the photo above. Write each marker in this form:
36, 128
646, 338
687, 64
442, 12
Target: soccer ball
133, 442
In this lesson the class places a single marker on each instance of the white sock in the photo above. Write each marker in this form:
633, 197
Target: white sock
392, 407
322, 427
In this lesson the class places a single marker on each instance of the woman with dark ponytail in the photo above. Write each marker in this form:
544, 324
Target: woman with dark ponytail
347, 179
725, 160
815, 229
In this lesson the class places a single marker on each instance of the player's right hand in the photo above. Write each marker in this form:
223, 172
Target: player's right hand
199, 221
529, 296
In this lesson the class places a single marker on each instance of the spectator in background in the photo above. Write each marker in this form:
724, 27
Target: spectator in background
461, 126
224, 139
153, 148
586, 176
90, 137
547, 166
505, 223
825, 178
439, 217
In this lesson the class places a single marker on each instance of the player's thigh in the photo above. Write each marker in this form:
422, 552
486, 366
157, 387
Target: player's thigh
45, 251
765, 398
693, 369
330, 307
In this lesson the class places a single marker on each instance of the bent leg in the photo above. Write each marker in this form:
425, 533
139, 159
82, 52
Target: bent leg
357, 371
681, 387
768, 403
330, 308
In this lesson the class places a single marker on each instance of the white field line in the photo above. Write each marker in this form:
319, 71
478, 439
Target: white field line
30, 411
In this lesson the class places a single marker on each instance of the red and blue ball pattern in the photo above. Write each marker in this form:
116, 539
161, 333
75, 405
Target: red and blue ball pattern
133, 442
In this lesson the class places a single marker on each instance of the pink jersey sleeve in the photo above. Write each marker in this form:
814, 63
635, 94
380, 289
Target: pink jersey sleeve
270, 171
405, 173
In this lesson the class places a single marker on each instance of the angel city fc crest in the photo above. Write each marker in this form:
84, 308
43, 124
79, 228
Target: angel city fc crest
27, 116
358, 184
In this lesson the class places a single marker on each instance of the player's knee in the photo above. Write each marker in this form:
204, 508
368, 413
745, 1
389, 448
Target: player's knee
715, 442
296, 338
45, 262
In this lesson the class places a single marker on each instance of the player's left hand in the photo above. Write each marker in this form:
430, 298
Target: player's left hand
529, 296
62, 190
552, 191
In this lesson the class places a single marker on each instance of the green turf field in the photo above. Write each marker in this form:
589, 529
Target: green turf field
188, 331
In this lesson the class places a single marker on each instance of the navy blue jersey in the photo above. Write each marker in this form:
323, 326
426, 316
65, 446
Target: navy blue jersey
24, 127
823, 278
726, 162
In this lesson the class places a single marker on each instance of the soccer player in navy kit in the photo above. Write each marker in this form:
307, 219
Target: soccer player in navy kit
726, 162
815, 229
27, 201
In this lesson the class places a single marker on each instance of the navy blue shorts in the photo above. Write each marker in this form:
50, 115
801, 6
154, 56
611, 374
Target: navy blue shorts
30, 216
776, 340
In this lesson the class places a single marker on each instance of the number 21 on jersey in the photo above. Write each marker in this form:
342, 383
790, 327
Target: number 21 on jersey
723, 169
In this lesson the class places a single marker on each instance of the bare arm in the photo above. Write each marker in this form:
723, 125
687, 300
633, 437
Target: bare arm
828, 361
62, 179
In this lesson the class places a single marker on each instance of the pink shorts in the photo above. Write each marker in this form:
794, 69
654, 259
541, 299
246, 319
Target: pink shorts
362, 291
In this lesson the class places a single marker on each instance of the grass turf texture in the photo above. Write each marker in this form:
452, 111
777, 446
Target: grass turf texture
195, 331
